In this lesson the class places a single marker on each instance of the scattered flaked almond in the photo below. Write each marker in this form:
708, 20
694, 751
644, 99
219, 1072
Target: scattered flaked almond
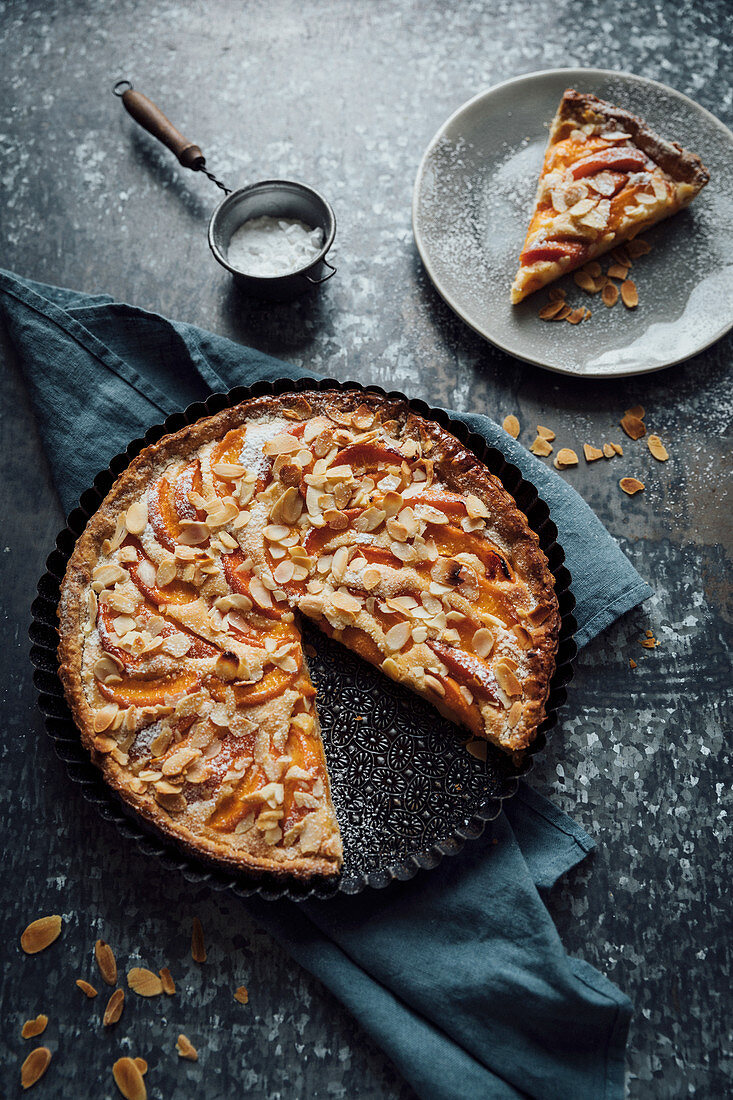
546, 433
40, 934
657, 448
557, 293
144, 981
592, 454
541, 447
34, 1066
609, 295
585, 281
129, 1079
637, 410
198, 947
592, 268
631, 485
31, 1028
648, 643
86, 987
510, 424
549, 310
113, 1011
563, 314
617, 271
629, 294
632, 662
241, 995
608, 450
634, 426
649, 633
106, 962
621, 256
186, 1049
576, 316
637, 248
565, 457
166, 980
141, 1064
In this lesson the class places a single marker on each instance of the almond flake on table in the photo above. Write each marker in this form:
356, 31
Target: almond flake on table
35, 1066
40, 934
186, 1049
113, 1011
32, 1028
510, 425
592, 454
241, 995
541, 447
634, 426
129, 1079
144, 982
657, 448
86, 987
631, 485
545, 433
106, 962
565, 457
166, 980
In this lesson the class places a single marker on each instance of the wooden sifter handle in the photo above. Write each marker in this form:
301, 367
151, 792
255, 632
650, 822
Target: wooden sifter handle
152, 119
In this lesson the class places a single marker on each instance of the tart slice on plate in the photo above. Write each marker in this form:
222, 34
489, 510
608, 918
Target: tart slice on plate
606, 177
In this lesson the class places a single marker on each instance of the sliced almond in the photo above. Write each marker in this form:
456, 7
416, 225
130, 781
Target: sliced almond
629, 294
397, 636
31, 1028
563, 314
545, 433
477, 749
86, 987
198, 947
592, 454
541, 447
593, 268
510, 425
136, 517
166, 980
631, 485
113, 1011
617, 271
608, 450
241, 995
141, 1064
565, 457
40, 934
281, 444
657, 448
104, 717
637, 248
609, 295
106, 962
482, 642
634, 426
585, 281
144, 981
632, 662
35, 1066
506, 679
576, 316
370, 578
551, 309
129, 1079
186, 1049
557, 293
637, 410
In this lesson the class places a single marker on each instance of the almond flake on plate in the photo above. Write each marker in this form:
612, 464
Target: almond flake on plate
40, 934
631, 485
510, 425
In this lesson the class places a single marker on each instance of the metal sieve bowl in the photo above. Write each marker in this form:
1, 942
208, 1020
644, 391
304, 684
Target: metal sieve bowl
275, 199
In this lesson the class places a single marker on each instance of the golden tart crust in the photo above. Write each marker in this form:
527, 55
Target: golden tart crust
180, 652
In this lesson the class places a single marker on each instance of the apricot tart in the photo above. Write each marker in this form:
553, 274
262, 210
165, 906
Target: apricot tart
180, 652
606, 177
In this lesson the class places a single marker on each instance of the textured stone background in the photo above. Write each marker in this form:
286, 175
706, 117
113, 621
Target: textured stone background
346, 96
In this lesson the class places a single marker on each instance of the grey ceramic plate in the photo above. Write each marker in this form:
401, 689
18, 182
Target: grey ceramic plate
473, 195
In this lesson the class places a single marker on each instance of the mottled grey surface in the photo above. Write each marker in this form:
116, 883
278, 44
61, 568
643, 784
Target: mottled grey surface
345, 96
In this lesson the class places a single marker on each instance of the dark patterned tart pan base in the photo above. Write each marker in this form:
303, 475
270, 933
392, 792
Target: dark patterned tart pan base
407, 793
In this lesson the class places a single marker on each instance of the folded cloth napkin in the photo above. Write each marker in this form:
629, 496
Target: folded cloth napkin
459, 975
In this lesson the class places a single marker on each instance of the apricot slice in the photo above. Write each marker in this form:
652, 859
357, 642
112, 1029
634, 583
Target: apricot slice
554, 250
452, 540
444, 502
272, 684
146, 693
465, 713
317, 537
367, 456
177, 592
364, 646
467, 668
619, 160
235, 806
188, 481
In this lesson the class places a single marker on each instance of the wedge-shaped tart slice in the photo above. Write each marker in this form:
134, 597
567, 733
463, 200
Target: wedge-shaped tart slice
606, 177
180, 650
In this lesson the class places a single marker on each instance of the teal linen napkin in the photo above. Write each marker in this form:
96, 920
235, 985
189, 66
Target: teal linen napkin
459, 975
